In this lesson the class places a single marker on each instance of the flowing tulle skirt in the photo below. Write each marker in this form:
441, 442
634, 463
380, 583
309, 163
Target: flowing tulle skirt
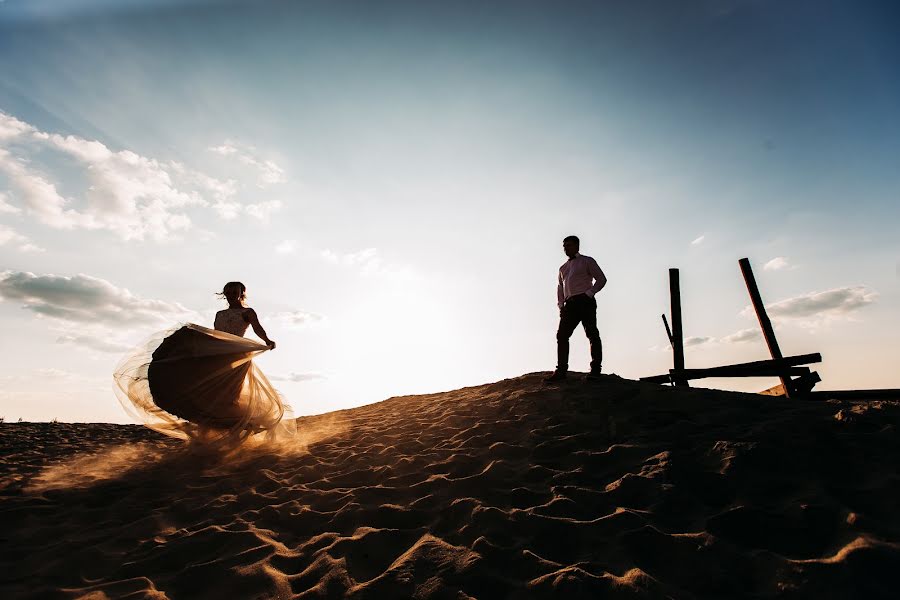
198, 383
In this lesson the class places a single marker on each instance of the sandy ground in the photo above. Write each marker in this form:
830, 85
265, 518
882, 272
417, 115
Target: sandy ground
510, 490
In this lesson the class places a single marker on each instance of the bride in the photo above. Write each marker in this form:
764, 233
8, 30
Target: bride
193, 382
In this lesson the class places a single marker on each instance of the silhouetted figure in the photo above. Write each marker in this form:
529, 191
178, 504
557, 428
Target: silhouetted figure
237, 317
580, 278
199, 383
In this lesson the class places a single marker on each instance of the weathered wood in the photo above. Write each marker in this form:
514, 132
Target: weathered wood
804, 384
758, 368
798, 388
776, 390
677, 334
764, 322
668, 331
738, 372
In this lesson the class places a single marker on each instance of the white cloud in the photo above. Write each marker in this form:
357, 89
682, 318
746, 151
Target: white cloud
698, 241
5, 206
83, 299
14, 238
224, 149
297, 318
11, 127
807, 310
221, 193
369, 263
297, 377
744, 335
129, 194
363, 257
815, 307
133, 196
776, 264
93, 342
40, 196
697, 341
268, 171
263, 210
286, 247
54, 373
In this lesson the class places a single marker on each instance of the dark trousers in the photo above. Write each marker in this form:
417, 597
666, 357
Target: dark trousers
578, 309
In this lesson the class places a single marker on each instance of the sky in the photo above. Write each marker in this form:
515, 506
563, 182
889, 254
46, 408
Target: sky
392, 181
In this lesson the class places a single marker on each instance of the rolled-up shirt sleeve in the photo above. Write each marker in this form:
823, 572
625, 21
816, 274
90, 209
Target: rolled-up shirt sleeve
560, 296
599, 278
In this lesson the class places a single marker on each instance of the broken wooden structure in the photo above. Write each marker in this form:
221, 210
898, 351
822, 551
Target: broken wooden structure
796, 379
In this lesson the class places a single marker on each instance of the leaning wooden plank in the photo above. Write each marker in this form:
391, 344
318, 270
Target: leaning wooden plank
764, 322
668, 331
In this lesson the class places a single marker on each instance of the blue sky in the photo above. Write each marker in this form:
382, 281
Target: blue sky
392, 181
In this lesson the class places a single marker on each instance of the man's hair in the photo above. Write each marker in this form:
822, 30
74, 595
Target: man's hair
574, 239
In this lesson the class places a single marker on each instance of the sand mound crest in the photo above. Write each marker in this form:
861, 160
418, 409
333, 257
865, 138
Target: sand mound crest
508, 490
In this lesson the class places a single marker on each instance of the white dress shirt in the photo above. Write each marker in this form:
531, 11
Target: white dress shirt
579, 275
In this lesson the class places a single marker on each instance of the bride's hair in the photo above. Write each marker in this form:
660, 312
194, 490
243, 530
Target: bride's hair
234, 288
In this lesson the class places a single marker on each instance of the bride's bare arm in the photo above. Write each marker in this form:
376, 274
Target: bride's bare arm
257, 328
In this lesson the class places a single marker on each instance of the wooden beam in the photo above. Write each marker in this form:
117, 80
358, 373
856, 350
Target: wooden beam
799, 388
668, 331
677, 335
738, 372
804, 384
757, 368
764, 322
786, 361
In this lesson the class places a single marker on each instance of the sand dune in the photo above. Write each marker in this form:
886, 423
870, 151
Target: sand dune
509, 490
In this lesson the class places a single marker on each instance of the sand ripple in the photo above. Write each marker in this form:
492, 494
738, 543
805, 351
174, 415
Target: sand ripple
509, 490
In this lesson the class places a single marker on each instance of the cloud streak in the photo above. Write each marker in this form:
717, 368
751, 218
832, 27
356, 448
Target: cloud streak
268, 171
779, 263
297, 319
10, 237
369, 263
95, 343
83, 299
298, 377
814, 308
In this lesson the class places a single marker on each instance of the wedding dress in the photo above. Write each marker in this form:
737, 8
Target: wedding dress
193, 382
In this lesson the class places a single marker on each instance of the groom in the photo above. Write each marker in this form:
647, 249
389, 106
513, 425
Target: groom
580, 278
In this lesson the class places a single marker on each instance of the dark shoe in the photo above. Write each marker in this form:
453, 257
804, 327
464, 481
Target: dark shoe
595, 374
555, 376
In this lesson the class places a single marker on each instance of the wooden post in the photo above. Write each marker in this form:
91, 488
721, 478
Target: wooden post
668, 331
764, 322
677, 335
